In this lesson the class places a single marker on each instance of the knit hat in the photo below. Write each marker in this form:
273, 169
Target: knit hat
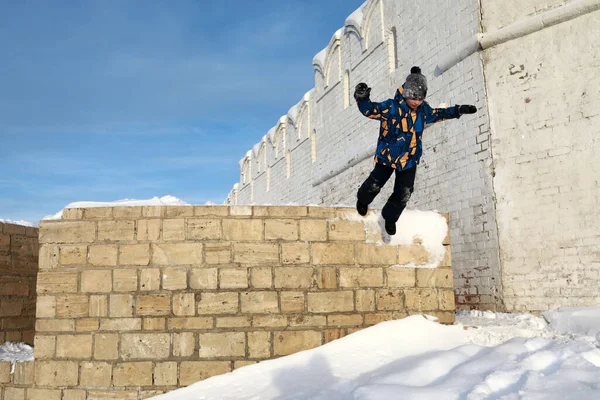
415, 86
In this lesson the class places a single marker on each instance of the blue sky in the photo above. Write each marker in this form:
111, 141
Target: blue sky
103, 100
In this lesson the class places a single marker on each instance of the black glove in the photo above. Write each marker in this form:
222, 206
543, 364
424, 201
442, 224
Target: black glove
362, 92
467, 109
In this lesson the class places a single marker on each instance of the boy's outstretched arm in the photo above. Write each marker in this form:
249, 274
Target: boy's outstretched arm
368, 108
433, 115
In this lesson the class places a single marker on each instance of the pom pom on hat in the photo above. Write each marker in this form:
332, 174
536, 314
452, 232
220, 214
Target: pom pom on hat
415, 86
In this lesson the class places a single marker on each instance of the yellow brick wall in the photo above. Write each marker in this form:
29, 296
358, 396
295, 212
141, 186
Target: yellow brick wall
143, 300
18, 269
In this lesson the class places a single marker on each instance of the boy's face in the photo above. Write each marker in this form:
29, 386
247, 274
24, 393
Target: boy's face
414, 103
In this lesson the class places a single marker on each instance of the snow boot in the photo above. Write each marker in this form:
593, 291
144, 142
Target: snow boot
390, 227
361, 208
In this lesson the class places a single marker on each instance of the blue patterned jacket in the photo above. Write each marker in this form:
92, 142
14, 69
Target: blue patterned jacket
399, 145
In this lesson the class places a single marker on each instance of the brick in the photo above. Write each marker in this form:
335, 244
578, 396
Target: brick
307, 321
45, 347
203, 229
313, 230
121, 324
11, 308
361, 277
240, 211
242, 364
435, 278
261, 278
96, 281
152, 346
106, 346
243, 229
165, 374
97, 213
269, 321
154, 324
54, 325
294, 278
259, 344
98, 306
56, 373
121, 306
295, 253
284, 229
24, 373
375, 318
179, 211
233, 278
67, 232
56, 282
124, 212
134, 254
150, 279
289, 342
194, 371
148, 230
218, 303
389, 300
371, 254
228, 344
190, 323
340, 320
204, 278
87, 325
116, 231
447, 260
125, 280
103, 255
173, 230
217, 253
177, 254
446, 300
327, 278
256, 253
365, 300
184, 344
14, 393
73, 255
112, 394
44, 394
72, 306
204, 210
132, 374
421, 300
49, 256
334, 334
291, 302
95, 374
285, 211
184, 304
153, 211
346, 230
259, 302
5, 368
234, 322
174, 278
74, 346
333, 253
153, 305
74, 394
401, 277
414, 254
326, 302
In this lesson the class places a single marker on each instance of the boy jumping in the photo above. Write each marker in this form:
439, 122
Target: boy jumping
399, 147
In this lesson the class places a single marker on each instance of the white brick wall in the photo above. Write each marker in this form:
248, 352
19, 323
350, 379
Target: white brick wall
455, 175
544, 95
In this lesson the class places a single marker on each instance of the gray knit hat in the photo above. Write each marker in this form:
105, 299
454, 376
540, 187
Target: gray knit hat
415, 86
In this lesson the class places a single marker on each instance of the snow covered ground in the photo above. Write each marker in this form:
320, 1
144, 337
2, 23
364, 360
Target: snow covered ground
483, 356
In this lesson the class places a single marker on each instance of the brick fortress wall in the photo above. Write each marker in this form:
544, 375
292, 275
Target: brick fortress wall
137, 301
18, 269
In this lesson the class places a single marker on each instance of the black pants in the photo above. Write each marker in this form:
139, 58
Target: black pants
403, 188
